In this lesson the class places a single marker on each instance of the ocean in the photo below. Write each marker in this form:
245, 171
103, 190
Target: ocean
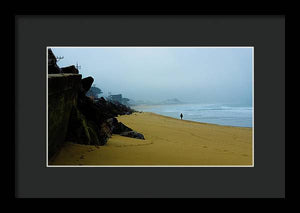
222, 114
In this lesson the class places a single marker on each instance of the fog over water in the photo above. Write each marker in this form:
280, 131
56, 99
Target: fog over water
193, 75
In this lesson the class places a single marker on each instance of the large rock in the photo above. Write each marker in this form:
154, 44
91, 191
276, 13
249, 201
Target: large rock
69, 69
75, 117
86, 83
112, 122
120, 127
111, 109
96, 138
91, 111
78, 128
62, 96
133, 134
123, 130
105, 133
84, 131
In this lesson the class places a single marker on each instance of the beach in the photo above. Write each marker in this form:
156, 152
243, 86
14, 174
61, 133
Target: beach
168, 142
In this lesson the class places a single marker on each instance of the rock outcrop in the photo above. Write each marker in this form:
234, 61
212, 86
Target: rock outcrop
77, 118
62, 97
93, 121
133, 134
70, 69
121, 128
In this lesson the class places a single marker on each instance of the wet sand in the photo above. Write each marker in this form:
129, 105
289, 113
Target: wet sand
169, 142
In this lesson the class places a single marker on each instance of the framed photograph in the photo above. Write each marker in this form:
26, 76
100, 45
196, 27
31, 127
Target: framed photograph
177, 106
158, 106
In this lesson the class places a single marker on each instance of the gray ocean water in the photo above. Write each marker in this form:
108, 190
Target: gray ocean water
222, 114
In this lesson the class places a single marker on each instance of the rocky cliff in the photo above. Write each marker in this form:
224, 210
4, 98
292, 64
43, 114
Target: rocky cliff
62, 97
74, 117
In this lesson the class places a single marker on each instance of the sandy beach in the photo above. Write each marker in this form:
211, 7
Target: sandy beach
169, 142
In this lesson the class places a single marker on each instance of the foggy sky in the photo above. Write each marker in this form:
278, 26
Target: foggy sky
202, 75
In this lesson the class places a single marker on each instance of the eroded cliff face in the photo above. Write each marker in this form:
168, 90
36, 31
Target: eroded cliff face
62, 97
74, 117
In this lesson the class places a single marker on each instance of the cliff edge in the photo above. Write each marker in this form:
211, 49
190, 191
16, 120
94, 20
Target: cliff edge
74, 117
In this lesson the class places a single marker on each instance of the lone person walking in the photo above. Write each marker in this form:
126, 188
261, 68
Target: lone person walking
181, 115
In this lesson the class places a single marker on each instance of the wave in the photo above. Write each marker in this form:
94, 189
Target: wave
223, 114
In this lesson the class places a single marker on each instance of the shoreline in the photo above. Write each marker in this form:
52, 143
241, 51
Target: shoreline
221, 115
195, 121
169, 142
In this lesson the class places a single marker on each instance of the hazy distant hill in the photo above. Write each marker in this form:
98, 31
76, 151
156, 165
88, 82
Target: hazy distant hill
165, 102
172, 101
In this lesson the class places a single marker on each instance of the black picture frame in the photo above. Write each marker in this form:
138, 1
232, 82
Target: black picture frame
264, 30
